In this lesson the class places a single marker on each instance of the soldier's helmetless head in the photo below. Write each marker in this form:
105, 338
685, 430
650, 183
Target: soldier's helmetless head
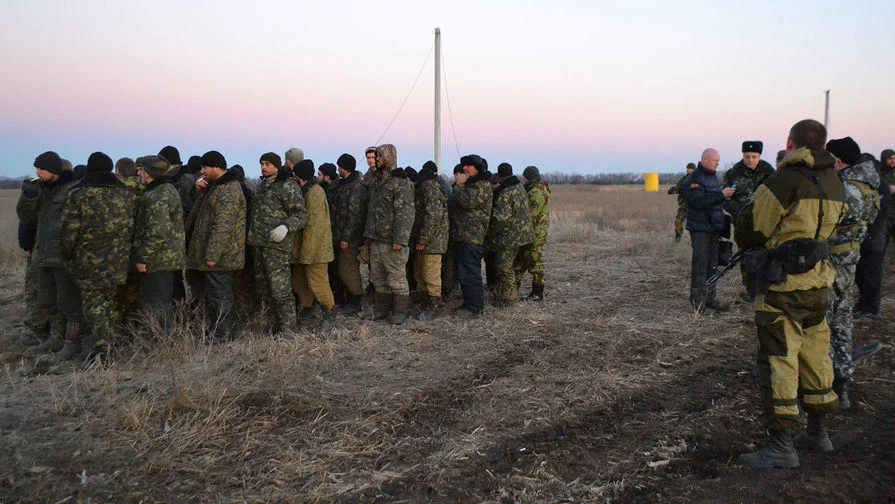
371, 157
386, 157
750, 159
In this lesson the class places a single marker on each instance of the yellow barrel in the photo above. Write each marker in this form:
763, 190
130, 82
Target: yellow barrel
651, 182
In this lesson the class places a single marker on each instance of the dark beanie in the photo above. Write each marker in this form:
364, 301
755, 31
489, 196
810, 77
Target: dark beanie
347, 162
458, 168
80, 171
304, 169
49, 161
238, 173
195, 164
171, 155
272, 158
399, 173
504, 170
329, 170
412, 174
213, 158
845, 149
99, 163
691, 166
531, 173
430, 165
427, 173
886, 155
473, 160
752, 146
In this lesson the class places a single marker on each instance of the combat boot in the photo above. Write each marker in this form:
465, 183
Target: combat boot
840, 386
307, 320
72, 346
427, 308
537, 292
352, 306
777, 453
382, 305
815, 437
399, 312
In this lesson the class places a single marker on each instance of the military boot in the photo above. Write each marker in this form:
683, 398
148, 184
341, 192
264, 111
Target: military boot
329, 320
840, 386
537, 292
382, 305
352, 306
399, 312
72, 346
307, 319
777, 453
815, 437
427, 308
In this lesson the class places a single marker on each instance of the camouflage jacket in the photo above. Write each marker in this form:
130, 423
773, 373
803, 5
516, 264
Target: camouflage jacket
317, 238
134, 185
278, 202
539, 205
473, 210
679, 190
430, 223
510, 226
348, 209
98, 231
390, 211
216, 227
862, 201
45, 211
185, 183
747, 181
158, 229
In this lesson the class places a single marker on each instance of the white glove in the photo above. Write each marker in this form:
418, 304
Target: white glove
278, 233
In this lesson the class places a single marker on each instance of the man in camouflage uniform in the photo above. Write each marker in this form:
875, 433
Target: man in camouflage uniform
869, 273
370, 157
474, 197
792, 214
509, 230
311, 279
293, 156
862, 201
97, 237
127, 295
531, 257
159, 244
390, 214
430, 238
215, 235
42, 203
36, 320
183, 178
278, 214
681, 216
348, 211
126, 172
745, 177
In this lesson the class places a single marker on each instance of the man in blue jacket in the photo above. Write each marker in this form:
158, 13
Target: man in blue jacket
705, 221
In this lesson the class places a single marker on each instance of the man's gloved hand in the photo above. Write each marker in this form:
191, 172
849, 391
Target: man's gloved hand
30, 189
278, 233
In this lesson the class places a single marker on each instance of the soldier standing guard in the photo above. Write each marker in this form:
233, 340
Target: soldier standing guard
531, 256
97, 239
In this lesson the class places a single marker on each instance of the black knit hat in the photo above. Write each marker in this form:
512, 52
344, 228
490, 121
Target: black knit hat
426, 173
412, 174
79, 171
272, 158
238, 173
845, 149
99, 163
214, 158
430, 165
329, 170
399, 173
752, 146
504, 170
531, 173
304, 169
49, 161
347, 162
886, 155
473, 160
171, 155
458, 168
195, 164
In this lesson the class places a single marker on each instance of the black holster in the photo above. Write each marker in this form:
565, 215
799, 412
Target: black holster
762, 271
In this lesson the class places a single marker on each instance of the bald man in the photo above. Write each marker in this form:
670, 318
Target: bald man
705, 221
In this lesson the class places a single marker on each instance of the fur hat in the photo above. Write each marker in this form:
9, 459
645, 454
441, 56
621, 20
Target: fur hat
532, 173
329, 170
505, 170
214, 158
271, 158
295, 155
388, 153
845, 149
304, 169
347, 162
49, 161
155, 166
752, 146
473, 160
99, 163
66, 165
171, 155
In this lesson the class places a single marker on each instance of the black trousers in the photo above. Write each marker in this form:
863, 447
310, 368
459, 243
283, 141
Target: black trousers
869, 277
157, 297
220, 302
58, 296
469, 271
702, 265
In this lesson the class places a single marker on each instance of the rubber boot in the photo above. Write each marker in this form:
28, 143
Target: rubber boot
72, 346
329, 320
815, 437
382, 305
537, 292
777, 453
352, 306
399, 312
840, 386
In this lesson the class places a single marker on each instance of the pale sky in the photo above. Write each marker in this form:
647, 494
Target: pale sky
579, 87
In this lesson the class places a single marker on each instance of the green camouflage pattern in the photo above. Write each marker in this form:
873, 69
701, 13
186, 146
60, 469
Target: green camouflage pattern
747, 182
35, 318
348, 210
317, 237
680, 218
539, 207
134, 185
98, 231
430, 225
216, 227
46, 211
862, 201
511, 224
277, 202
507, 291
100, 314
273, 279
473, 210
530, 259
390, 211
159, 240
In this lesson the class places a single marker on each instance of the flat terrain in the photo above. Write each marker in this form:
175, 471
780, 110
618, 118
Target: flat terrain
611, 390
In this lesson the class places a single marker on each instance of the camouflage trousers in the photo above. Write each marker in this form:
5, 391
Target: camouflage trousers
36, 319
427, 271
792, 358
530, 259
273, 279
100, 313
840, 313
679, 219
388, 268
507, 291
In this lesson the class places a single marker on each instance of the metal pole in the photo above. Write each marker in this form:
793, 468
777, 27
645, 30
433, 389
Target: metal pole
827, 112
438, 98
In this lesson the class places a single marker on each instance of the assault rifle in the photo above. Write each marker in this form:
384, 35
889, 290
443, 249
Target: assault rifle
735, 260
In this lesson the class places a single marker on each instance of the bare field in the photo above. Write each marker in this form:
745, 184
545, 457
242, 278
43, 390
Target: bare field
611, 390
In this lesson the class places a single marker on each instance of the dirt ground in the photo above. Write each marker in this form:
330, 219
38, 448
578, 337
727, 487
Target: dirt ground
611, 390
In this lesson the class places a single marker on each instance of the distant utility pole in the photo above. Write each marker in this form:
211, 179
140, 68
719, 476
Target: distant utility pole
438, 99
827, 112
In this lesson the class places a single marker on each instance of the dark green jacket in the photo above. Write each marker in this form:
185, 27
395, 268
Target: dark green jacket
46, 211
348, 209
185, 183
473, 210
276, 203
159, 236
747, 182
390, 211
510, 226
539, 206
430, 224
216, 227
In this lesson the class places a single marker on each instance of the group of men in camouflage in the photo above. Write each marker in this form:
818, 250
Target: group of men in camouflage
805, 229
102, 245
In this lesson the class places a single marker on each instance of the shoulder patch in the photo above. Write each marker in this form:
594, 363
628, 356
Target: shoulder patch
694, 186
